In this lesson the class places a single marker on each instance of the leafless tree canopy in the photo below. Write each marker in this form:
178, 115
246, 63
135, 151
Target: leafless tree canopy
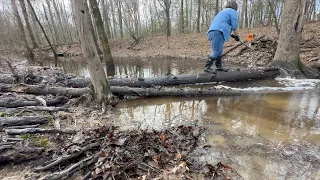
133, 18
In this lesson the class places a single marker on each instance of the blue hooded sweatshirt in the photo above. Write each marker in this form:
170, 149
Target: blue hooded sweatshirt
225, 21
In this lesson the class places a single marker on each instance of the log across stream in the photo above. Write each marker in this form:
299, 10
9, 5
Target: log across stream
171, 80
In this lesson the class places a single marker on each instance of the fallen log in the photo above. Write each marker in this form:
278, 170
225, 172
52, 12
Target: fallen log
156, 92
7, 79
23, 127
9, 154
23, 120
171, 80
11, 103
192, 92
37, 130
44, 90
41, 108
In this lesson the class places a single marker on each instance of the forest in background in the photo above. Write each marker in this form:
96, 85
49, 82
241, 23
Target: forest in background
134, 19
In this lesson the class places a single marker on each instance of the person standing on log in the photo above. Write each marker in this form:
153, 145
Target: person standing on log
219, 32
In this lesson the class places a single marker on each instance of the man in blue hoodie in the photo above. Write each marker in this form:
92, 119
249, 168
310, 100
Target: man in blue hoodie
219, 32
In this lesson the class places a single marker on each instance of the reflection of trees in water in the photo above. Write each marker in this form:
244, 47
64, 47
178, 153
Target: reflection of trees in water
131, 67
302, 114
160, 115
286, 116
153, 67
75, 66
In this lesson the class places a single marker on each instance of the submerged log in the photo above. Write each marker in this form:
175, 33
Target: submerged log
23, 120
9, 154
171, 80
11, 103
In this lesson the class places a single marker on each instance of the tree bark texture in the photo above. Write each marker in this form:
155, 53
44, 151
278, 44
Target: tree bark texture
288, 49
98, 77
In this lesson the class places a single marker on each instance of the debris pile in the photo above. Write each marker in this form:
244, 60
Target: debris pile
107, 153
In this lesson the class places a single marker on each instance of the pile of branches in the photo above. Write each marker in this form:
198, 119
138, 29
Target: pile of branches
108, 153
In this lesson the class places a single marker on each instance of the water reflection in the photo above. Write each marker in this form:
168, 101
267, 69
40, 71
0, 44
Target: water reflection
285, 117
162, 113
251, 123
133, 67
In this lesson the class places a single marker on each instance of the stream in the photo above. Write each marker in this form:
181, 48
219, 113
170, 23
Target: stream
273, 136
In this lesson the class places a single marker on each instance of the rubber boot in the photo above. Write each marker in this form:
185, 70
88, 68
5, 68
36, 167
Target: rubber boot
208, 68
219, 65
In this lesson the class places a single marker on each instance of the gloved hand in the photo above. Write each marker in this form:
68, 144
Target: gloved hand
237, 38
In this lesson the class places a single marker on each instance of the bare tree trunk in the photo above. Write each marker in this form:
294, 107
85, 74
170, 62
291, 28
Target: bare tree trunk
102, 35
199, 16
105, 14
181, 17
28, 27
288, 50
34, 26
246, 20
97, 74
45, 34
62, 30
273, 12
217, 7
50, 26
22, 34
113, 18
67, 24
54, 28
186, 19
119, 5
136, 18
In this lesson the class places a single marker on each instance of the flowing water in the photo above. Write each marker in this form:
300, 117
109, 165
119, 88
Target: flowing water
265, 136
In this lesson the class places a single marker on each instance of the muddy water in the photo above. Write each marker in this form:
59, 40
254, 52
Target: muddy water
270, 136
